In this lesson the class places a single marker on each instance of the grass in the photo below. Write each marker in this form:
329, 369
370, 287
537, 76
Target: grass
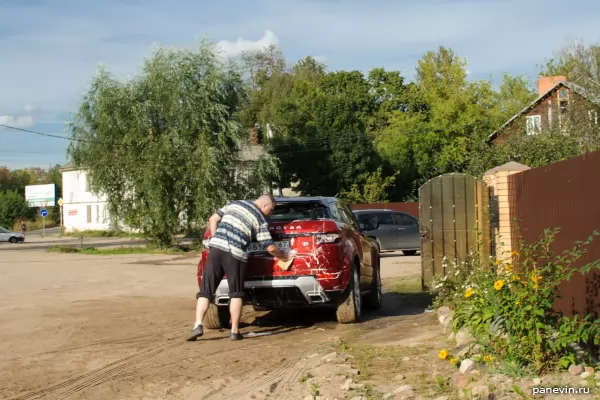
117, 250
409, 293
101, 234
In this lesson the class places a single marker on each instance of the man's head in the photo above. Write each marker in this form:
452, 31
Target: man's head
266, 203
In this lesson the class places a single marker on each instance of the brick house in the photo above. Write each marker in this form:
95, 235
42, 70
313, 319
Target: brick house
556, 96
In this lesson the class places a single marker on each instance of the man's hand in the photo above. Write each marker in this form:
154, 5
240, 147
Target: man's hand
275, 252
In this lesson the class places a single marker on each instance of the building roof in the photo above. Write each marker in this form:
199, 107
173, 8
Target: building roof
572, 86
509, 166
67, 167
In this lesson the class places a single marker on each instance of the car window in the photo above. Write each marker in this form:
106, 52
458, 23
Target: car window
384, 218
403, 219
334, 211
3, 230
289, 211
364, 218
347, 215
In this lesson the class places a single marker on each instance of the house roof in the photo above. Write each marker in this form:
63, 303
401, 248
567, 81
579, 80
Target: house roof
67, 167
509, 166
572, 86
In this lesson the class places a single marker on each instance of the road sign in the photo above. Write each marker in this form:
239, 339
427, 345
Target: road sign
60, 202
44, 212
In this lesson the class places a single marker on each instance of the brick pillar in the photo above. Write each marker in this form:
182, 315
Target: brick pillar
497, 179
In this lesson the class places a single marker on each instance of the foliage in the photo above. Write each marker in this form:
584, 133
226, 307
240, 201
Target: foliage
163, 146
12, 207
507, 304
373, 189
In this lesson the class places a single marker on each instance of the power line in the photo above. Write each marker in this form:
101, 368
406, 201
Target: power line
34, 132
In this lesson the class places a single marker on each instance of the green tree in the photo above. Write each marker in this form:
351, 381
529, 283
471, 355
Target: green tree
54, 176
375, 189
163, 146
12, 207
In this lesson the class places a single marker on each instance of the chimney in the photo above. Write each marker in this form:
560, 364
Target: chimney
253, 137
546, 83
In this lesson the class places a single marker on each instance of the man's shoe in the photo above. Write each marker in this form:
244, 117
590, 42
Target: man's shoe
194, 334
235, 336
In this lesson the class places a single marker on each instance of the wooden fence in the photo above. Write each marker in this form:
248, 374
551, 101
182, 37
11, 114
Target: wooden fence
566, 195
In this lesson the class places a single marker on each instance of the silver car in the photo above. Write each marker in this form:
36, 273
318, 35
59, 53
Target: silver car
393, 230
12, 237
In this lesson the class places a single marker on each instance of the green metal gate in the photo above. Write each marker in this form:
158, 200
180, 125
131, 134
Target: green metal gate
453, 209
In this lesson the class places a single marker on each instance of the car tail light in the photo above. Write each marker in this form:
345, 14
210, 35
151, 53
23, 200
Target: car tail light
327, 238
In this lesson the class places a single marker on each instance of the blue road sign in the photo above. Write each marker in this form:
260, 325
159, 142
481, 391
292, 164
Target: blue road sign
44, 212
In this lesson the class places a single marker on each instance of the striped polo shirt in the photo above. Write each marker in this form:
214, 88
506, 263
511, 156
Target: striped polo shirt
241, 223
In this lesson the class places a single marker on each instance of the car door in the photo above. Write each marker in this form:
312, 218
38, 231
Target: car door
387, 232
408, 231
361, 241
3, 235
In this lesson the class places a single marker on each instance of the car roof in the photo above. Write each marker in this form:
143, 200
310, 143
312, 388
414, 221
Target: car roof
307, 199
376, 210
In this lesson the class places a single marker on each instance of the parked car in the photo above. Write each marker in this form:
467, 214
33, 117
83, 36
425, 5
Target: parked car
395, 230
11, 237
336, 264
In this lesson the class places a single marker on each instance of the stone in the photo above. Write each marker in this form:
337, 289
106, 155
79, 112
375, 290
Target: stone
444, 310
405, 359
452, 336
444, 320
358, 398
388, 396
353, 371
403, 389
585, 375
575, 369
480, 391
442, 398
399, 377
462, 334
465, 342
347, 385
467, 365
590, 370
537, 381
459, 381
329, 357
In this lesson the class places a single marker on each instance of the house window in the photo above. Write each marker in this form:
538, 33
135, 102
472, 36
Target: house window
86, 183
550, 113
89, 214
563, 94
97, 213
534, 124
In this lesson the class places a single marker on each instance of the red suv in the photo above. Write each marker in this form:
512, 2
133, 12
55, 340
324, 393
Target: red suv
336, 263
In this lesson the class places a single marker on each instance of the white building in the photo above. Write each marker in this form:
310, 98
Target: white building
82, 210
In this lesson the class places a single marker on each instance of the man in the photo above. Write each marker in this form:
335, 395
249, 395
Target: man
232, 229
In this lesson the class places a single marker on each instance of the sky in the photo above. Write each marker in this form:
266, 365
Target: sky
50, 49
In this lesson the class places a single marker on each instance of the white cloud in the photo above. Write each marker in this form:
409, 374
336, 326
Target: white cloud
233, 49
25, 121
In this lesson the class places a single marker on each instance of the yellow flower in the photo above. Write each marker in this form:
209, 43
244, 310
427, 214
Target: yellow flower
497, 262
517, 302
509, 267
514, 253
443, 354
499, 284
453, 360
515, 278
535, 278
469, 293
488, 358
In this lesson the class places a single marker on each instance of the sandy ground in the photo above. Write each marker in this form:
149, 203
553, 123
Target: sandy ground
111, 327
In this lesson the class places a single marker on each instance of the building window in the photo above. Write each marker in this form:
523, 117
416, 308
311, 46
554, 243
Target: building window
563, 94
86, 183
89, 214
534, 124
97, 213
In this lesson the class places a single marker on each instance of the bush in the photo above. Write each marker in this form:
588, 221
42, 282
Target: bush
507, 304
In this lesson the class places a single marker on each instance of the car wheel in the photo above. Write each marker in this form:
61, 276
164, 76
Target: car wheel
409, 252
13, 240
217, 317
374, 299
350, 311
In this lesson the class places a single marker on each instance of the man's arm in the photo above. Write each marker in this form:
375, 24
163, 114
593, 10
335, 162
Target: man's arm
214, 220
264, 237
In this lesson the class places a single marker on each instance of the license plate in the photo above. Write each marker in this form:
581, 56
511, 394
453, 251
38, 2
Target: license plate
257, 247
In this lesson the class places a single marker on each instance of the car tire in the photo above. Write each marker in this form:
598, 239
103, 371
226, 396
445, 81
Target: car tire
217, 317
350, 310
13, 240
374, 299
409, 252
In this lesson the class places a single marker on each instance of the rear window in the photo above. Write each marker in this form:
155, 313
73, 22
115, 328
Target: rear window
301, 210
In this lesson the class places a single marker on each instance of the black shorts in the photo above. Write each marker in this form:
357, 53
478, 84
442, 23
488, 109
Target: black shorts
218, 264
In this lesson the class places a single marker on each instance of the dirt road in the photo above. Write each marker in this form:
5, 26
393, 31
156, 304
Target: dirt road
111, 327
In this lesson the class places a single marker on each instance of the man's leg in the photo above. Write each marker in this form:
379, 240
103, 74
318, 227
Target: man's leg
211, 277
235, 269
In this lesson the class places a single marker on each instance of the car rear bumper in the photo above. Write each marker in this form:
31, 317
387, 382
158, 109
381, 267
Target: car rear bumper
278, 291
